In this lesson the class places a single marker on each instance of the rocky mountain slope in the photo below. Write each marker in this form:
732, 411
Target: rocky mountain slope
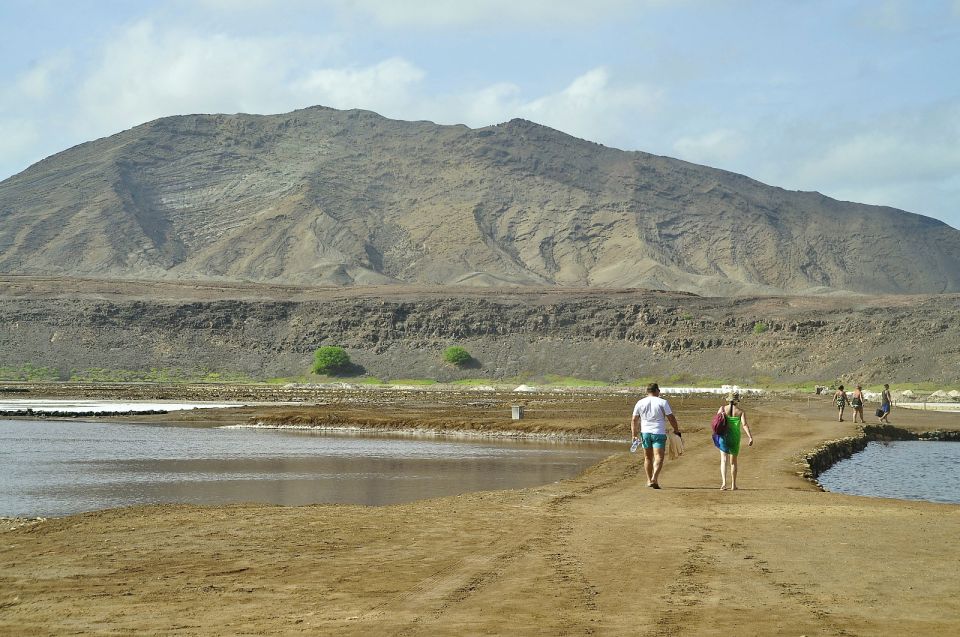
327, 197
396, 332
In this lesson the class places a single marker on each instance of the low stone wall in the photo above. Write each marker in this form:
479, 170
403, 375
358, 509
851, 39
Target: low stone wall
941, 436
829, 453
887, 433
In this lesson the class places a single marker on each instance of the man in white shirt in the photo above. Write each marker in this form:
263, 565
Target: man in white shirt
652, 414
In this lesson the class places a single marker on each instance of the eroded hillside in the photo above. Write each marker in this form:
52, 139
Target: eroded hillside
265, 331
327, 197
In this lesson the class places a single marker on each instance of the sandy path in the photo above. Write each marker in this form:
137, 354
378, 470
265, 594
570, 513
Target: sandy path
599, 554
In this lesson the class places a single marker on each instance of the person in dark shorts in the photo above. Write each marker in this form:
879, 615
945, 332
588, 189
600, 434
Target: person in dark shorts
841, 400
856, 401
886, 402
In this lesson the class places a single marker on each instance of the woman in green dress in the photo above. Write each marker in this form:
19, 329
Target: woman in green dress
729, 442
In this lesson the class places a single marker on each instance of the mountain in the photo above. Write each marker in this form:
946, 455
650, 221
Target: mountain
326, 197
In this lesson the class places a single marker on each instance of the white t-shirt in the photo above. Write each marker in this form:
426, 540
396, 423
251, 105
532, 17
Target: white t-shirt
653, 412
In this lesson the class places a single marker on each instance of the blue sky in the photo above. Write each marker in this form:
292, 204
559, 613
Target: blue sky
859, 100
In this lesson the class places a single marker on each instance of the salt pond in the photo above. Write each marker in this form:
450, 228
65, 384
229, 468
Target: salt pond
908, 470
53, 468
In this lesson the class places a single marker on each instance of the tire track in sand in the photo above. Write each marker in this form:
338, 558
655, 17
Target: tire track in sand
548, 542
684, 601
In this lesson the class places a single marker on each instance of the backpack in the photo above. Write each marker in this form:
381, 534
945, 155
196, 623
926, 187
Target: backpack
719, 424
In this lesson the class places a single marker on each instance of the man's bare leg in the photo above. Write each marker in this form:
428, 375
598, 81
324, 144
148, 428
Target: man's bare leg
648, 465
658, 453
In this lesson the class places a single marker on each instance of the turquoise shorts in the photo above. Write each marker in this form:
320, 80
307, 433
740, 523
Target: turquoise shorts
655, 441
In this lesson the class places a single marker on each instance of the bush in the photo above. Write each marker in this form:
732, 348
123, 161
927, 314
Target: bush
759, 328
457, 356
330, 361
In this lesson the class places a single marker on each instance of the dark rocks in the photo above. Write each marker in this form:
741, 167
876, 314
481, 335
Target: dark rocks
37, 413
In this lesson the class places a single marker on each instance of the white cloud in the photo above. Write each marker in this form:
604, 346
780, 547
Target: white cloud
448, 13
905, 159
17, 137
879, 156
241, 5
717, 147
593, 107
147, 73
38, 82
889, 15
489, 105
384, 87
922, 145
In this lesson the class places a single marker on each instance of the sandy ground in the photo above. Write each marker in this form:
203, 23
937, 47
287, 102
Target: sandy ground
599, 554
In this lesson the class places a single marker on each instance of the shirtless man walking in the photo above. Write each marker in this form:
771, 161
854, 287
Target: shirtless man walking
651, 414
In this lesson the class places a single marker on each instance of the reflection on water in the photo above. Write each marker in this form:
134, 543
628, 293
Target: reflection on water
53, 468
909, 470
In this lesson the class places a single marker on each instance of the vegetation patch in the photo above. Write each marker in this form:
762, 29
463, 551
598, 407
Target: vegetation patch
157, 375
331, 360
458, 356
28, 372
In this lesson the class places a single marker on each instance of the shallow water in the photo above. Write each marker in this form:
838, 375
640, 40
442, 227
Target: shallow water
53, 468
909, 470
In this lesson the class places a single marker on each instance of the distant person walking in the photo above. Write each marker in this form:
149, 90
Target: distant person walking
841, 400
886, 402
729, 442
856, 401
652, 414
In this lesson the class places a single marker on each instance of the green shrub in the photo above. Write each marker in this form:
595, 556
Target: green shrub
330, 361
457, 356
759, 328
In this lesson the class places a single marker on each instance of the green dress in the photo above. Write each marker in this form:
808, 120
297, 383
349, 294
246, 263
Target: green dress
729, 442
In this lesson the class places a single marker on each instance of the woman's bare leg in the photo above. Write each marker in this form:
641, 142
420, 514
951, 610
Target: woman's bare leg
723, 471
733, 472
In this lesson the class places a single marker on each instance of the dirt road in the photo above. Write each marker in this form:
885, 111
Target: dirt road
599, 554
